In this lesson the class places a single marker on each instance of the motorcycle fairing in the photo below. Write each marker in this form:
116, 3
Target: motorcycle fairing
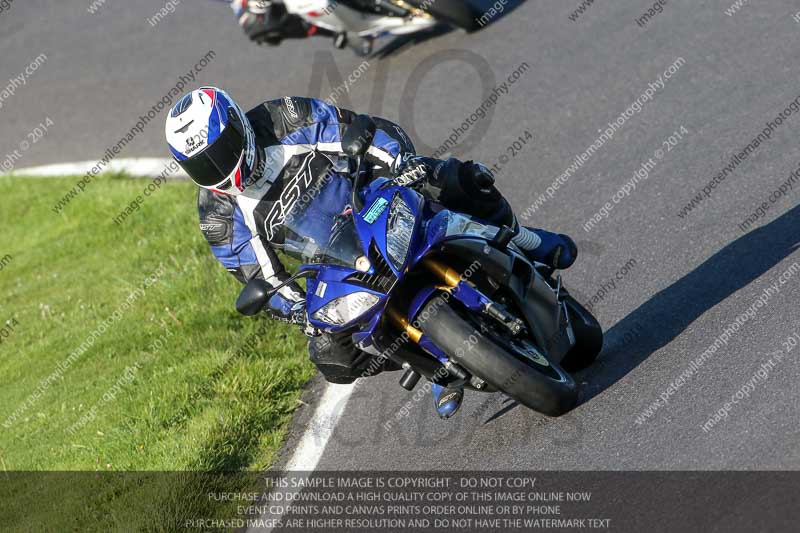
448, 234
338, 17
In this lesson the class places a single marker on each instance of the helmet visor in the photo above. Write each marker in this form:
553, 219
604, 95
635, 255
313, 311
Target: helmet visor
216, 162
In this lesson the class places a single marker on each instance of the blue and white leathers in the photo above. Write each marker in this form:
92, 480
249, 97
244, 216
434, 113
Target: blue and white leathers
297, 138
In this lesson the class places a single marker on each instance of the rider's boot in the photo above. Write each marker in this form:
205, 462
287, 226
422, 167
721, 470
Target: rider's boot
446, 400
553, 249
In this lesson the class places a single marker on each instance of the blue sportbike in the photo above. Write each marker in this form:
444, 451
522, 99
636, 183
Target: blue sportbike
442, 295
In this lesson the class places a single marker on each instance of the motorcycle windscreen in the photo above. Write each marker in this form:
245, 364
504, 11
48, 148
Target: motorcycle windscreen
319, 227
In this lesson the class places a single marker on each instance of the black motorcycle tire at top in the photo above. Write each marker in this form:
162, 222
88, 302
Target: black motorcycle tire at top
488, 360
459, 13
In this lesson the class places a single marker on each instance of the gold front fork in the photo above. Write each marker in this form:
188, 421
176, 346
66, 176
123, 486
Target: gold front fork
449, 278
447, 275
402, 322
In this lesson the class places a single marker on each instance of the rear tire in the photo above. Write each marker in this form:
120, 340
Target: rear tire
588, 337
545, 388
456, 12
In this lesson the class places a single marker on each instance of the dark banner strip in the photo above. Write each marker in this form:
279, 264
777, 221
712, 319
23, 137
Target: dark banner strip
405, 501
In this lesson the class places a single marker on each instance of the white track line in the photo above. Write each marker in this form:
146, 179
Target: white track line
335, 397
320, 428
140, 167
312, 444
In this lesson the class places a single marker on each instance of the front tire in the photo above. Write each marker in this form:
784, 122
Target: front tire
542, 386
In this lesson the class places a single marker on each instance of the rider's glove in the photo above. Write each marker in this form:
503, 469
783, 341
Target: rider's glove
413, 169
281, 308
298, 314
288, 304
479, 175
265, 21
259, 18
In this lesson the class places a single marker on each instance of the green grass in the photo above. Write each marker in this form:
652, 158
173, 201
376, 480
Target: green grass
217, 395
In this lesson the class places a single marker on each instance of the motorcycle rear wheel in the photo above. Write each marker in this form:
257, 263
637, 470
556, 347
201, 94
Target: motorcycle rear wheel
473, 343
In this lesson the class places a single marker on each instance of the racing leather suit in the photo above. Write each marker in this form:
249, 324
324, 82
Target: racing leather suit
267, 21
298, 140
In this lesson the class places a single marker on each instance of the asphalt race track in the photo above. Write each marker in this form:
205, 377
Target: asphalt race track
678, 282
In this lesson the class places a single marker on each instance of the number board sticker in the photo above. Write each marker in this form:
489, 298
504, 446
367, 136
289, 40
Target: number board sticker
375, 210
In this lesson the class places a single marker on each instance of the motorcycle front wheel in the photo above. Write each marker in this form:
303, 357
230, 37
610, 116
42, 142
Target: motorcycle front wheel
511, 365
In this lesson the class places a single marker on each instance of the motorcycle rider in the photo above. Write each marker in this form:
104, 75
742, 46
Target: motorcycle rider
251, 169
268, 21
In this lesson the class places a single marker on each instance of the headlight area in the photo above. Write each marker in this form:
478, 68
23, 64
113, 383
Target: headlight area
346, 308
399, 229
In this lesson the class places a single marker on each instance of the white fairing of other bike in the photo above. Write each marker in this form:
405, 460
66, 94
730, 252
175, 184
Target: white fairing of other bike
340, 18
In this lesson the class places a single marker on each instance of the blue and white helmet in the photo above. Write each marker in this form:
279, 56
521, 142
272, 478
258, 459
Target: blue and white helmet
212, 140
